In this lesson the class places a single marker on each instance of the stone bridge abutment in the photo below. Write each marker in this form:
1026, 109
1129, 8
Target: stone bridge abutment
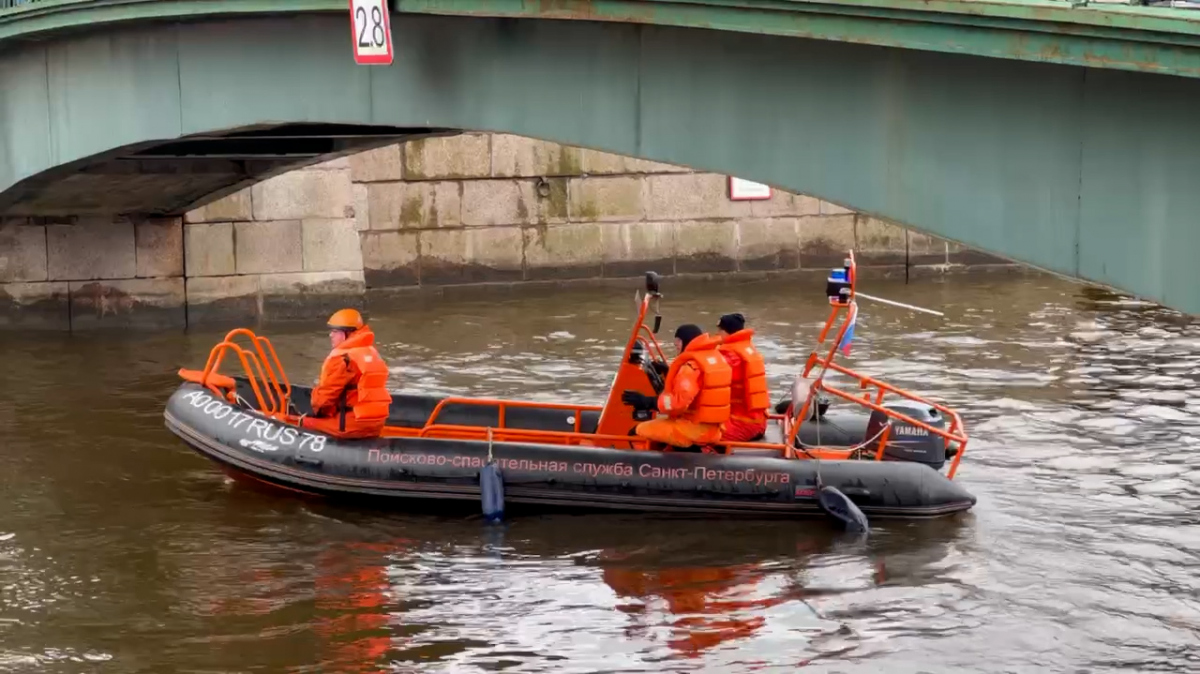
429, 215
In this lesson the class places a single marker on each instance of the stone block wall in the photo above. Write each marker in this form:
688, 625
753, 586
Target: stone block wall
501, 208
77, 273
441, 211
285, 248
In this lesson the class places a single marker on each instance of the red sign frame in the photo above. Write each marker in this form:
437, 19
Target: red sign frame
383, 59
733, 196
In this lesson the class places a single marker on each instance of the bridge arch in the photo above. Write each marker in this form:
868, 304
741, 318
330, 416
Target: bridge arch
1034, 162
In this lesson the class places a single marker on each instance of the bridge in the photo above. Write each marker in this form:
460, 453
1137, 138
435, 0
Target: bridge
1062, 135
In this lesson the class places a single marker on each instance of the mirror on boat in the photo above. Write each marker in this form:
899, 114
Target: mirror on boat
652, 285
637, 354
640, 357
652, 279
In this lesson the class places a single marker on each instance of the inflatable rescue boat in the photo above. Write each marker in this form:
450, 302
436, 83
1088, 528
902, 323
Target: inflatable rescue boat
885, 458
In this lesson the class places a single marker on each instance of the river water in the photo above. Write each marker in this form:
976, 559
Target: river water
122, 551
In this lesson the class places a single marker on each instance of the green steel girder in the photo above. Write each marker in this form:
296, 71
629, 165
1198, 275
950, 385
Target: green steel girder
1087, 172
1144, 39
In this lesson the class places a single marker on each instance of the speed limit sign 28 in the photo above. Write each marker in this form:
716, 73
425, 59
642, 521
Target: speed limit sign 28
372, 32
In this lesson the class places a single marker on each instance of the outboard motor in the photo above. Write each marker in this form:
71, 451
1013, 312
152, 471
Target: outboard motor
907, 442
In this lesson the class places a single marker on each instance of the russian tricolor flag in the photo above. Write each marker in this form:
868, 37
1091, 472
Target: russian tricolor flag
844, 346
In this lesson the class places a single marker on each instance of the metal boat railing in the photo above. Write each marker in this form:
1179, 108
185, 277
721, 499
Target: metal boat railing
954, 435
273, 390
503, 406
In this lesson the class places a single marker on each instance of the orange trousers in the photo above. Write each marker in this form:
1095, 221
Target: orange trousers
744, 430
678, 432
354, 429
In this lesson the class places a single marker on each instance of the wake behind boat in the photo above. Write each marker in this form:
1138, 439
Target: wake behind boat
883, 458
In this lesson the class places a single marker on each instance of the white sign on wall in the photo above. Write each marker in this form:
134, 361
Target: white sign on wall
746, 190
372, 32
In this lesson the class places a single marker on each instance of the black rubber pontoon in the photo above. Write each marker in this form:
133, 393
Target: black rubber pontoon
544, 476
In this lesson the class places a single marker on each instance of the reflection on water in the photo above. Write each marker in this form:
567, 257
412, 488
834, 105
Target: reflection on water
121, 551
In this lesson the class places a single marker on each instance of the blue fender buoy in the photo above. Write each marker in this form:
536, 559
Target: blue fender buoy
837, 505
491, 492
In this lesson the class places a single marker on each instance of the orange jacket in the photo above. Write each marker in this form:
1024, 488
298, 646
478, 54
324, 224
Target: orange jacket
353, 378
749, 396
697, 385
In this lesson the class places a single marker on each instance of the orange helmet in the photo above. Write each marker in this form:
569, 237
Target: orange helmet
346, 319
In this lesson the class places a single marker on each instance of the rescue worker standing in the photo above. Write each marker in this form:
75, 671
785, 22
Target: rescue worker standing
351, 400
749, 396
695, 398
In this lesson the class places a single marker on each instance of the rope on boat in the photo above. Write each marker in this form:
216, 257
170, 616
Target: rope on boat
902, 305
854, 448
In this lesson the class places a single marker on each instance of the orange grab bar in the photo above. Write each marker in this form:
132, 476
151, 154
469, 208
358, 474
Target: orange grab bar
650, 340
641, 322
899, 416
270, 378
828, 324
866, 381
636, 335
951, 433
274, 403
271, 396
282, 375
242, 356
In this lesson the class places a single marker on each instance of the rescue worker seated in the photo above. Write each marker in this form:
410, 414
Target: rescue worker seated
695, 397
749, 397
351, 400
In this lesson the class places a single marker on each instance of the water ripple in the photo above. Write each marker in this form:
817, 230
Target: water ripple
122, 551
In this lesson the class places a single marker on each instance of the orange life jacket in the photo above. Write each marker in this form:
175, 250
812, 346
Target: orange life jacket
711, 405
750, 396
372, 400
